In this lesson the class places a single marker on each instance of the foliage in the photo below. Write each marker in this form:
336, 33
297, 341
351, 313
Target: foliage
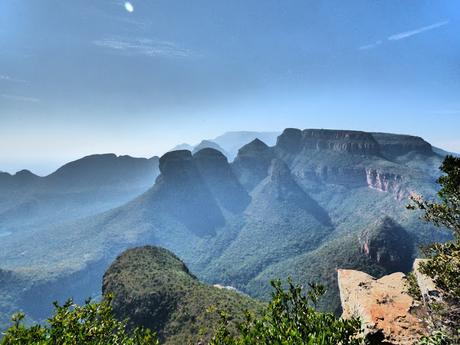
412, 286
445, 213
290, 318
443, 264
154, 289
436, 338
71, 324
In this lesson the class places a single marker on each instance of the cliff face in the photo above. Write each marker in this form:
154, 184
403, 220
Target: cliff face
388, 244
394, 145
385, 308
386, 182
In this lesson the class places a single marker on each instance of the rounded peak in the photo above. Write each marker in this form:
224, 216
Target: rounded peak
208, 144
174, 160
25, 175
150, 258
24, 172
209, 153
290, 140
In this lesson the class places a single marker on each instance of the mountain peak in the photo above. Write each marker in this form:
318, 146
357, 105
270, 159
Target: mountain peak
171, 163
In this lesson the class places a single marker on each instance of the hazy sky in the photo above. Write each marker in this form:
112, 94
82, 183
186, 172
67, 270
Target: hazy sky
83, 76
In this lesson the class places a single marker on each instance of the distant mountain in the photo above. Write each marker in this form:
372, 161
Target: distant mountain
301, 208
230, 142
87, 186
153, 288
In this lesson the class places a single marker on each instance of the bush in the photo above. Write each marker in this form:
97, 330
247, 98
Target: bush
290, 318
71, 324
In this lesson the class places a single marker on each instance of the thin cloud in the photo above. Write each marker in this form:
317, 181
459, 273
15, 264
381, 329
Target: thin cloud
406, 34
370, 46
11, 79
144, 46
18, 98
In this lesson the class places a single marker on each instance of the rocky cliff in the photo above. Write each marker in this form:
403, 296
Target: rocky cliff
385, 308
388, 244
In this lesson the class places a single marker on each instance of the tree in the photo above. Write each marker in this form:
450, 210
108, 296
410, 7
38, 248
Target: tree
71, 324
444, 258
290, 319
443, 264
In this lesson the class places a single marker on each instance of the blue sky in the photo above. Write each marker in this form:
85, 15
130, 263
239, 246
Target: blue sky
81, 77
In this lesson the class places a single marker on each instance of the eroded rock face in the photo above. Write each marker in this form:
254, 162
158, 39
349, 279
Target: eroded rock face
383, 305
386, 182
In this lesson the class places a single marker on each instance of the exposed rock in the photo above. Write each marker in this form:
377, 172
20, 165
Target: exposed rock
388, 244
383, 306
427, 287
386, 182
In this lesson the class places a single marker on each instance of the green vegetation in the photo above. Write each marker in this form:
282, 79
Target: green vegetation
412, 286
443, 263
303, 220
154, 289
71, 324
290, 318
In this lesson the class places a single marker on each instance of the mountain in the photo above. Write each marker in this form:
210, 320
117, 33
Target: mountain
230, 142
153, 288
302, 207
80, 188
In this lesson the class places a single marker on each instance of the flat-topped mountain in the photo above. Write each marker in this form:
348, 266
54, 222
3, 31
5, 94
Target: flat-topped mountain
301, 207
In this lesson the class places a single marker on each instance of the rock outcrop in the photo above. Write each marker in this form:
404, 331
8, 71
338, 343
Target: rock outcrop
384, 307
388, 244
386, 182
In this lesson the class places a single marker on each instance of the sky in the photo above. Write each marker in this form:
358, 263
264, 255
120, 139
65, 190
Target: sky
83, 76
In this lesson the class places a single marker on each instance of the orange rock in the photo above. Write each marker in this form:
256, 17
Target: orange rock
383, 306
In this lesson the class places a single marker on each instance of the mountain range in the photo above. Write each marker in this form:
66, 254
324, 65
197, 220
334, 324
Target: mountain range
314, 201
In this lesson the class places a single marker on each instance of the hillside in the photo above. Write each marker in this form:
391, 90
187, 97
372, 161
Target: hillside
154, 289
301, 207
